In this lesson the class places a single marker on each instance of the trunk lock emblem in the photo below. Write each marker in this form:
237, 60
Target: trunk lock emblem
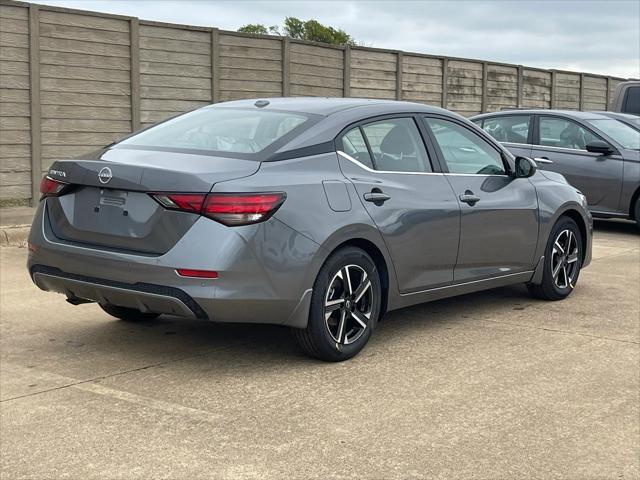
105, 175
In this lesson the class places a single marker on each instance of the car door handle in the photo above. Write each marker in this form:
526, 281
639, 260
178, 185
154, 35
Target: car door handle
376, 197
469, 197
543, 160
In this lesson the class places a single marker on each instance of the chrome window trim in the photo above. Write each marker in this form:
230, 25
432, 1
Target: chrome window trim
517, 144
361, 165
477, 174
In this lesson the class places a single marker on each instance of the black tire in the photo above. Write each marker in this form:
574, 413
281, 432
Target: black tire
560, 286
128, 314
329, 338
636, 212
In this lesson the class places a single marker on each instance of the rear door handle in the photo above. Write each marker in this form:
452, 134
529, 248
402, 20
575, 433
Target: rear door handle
376, 197
469, 197
543, 160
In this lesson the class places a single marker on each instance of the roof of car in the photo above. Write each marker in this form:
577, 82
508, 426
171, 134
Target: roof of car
327, 105
567, 113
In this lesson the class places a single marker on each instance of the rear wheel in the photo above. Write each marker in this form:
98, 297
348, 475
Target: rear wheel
562, 262
128, 314
345, 307
636, 212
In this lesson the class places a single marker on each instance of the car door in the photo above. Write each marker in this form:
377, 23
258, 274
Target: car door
410, 202
499, 221
560, 146
514, 132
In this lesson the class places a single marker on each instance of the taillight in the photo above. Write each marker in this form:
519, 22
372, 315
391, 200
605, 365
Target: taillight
231, 209
50, 187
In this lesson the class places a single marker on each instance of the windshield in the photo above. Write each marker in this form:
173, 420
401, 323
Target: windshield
623, 134
222, 130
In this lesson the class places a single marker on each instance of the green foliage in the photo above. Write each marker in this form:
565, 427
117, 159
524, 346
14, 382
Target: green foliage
260, 29
311, 30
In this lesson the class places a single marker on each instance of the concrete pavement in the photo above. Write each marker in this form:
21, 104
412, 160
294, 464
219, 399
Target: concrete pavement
489, 385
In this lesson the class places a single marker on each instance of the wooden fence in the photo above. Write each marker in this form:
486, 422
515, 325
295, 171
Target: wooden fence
73, 80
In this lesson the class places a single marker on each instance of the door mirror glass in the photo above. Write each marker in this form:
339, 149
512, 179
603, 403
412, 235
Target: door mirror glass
598, 146
525, 167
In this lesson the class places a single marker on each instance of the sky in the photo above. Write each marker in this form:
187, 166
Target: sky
596, 36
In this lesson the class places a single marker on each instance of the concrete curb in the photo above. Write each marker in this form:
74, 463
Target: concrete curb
15, 236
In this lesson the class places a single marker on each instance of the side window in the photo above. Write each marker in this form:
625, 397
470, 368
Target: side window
354, 145
632, 100
396, 146
464, 151
512, 129
562, 133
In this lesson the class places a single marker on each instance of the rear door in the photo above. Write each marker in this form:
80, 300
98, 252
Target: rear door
561, 147
499, 222
411, 203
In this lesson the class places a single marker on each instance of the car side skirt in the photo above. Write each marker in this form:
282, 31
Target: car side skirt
406, 300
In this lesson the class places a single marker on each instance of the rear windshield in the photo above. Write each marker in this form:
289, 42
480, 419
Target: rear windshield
225, 131
623, 134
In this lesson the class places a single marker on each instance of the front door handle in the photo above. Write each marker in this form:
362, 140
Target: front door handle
376, 196
544, 160
470, 198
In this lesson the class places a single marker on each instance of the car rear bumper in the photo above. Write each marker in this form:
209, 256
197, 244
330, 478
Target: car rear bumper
263, 272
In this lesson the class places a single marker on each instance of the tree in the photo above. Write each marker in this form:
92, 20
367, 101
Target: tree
260, 29
311, 30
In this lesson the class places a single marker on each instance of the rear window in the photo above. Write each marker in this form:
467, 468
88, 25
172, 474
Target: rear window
238, 132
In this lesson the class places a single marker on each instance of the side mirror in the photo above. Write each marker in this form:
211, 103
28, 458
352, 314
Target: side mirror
598, 146
525, 167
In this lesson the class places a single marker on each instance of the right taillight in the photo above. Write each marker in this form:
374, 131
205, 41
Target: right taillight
231, 209
50, 187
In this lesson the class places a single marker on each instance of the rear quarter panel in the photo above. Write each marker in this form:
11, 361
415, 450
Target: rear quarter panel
307, 210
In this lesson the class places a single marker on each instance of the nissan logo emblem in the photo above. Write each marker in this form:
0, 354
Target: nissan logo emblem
105, 175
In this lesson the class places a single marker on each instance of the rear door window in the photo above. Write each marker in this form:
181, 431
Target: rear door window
632, 101
508, 128
354, 145
393, 145
563, 133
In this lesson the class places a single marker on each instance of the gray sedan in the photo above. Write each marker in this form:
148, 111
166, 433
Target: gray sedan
317, 214
598, 154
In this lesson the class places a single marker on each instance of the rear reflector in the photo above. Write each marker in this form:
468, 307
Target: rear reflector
50, 187
186, 272
231, 209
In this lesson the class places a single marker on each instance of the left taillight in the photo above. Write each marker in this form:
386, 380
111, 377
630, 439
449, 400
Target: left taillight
231, 209
50, 187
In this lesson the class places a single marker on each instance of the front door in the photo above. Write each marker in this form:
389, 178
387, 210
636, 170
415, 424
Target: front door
499, 222
413, 207
561, 147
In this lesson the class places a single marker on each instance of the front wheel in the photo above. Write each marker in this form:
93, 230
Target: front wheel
345, 306
636, 212
562, 262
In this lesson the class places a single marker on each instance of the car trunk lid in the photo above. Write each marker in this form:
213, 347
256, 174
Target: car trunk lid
108, 204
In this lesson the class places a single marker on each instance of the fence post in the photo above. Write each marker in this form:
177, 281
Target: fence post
581, 95
346, 72
519, 86
608, 93
286, 66
35, 106
399, 76
215, 65
445, 80
553, 89
485, 75
134, 30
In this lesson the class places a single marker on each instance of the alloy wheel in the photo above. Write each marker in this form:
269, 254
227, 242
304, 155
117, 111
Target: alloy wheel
564, 259
348, 304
